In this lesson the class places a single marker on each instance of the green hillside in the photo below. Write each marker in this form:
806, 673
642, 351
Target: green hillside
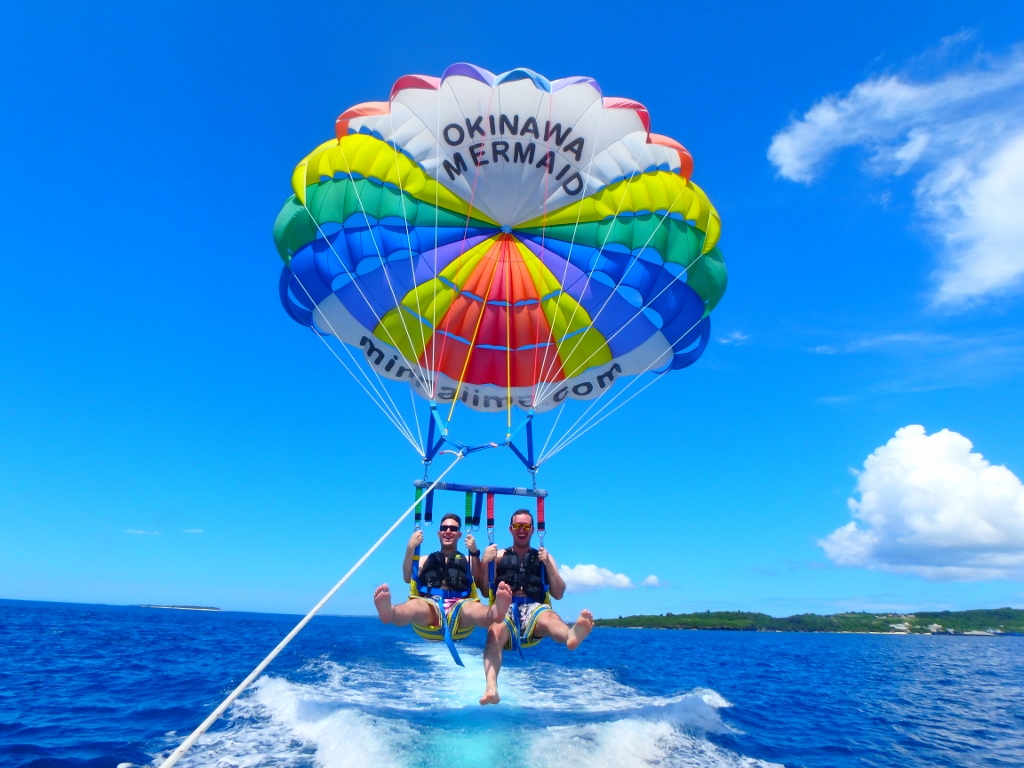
997, 619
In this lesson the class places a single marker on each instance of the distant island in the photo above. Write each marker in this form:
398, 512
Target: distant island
997, 621
182, 607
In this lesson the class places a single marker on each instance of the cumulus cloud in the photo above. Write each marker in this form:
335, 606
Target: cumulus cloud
962, 135
931, 506
583, 578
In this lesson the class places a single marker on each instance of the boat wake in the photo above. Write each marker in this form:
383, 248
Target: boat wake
425, 713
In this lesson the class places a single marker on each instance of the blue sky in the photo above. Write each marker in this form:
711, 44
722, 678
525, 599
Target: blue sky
169, 435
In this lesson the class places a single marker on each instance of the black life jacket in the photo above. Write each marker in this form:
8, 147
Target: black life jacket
529, 575
445, 576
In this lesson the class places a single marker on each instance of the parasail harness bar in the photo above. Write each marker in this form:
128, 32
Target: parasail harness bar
435, 441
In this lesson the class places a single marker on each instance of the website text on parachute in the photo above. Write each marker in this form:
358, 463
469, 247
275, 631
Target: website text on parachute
502, 243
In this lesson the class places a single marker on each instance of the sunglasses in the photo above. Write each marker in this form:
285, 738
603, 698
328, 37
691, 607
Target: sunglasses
452, 528
522, 526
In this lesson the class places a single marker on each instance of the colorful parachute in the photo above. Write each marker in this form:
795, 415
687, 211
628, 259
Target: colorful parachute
502, 240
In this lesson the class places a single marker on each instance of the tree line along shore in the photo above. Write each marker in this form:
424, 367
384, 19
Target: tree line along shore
983, 621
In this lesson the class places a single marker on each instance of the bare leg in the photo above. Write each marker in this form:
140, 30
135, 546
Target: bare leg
411, 612
549, 624
480, 615
497, 635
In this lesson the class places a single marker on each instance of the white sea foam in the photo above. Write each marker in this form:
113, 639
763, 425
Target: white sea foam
427, 715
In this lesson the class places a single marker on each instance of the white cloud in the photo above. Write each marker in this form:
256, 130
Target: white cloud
650, 581
583, 578
736, 337
932, 507
193, 530
963, 134
137, 532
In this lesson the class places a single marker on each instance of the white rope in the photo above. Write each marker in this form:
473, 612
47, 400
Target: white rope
222, 707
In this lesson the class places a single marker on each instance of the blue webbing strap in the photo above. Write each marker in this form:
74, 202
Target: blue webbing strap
416, 527
439, 602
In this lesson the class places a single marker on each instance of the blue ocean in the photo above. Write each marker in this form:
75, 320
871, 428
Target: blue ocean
104, 686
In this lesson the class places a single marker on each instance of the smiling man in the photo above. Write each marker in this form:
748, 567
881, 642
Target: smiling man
444, 583
530, 576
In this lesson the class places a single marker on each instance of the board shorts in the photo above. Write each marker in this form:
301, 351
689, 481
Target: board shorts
521, 619
452, 613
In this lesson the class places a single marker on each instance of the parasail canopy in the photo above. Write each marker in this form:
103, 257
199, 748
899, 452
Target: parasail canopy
502, 241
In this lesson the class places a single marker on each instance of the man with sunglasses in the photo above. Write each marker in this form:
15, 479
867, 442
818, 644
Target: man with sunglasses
532, 576
445, 581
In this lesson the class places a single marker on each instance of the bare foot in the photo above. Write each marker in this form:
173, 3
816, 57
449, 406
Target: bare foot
579, 631
502, 600
490, 697
382, 599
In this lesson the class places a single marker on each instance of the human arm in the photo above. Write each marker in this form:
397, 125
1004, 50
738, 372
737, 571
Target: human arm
480, 569
476, 568
410, 549
556, 584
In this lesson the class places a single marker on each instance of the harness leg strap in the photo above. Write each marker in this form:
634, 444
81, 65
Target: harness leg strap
439, 602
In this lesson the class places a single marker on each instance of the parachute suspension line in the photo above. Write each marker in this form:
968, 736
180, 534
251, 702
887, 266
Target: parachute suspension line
399, 425
548, 388
568, 438
472, 345
650, 301
458, 268
545, 367
383, 263
434, 282
508, 341
222, 707
392, 412
633, 260
355, 282
412, 259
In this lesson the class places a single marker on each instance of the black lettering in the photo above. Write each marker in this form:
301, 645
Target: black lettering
608, 376
556, 131
475, 127
476, 151
446, 393
490, 119
530, 126
548, 161
577, 182
576, 147
391, 364
583, 389
499, 148
476, 397
447, 137
513, 128
561, 173
402, 371
458, 168
520, 155
371, 350
560, 394
499, 402
525, 401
